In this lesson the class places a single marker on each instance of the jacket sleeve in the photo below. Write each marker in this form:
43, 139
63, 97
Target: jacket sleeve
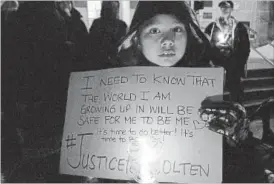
82, 33
83, 28
209, 28
94, 26
243, 48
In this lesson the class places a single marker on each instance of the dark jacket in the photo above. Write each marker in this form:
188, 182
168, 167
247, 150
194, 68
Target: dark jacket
10, 140
103, 41
8, 29
76, 34
43, 57
76, 28
41, 75
240, 52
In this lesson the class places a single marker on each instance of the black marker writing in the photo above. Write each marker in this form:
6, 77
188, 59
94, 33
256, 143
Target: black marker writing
171, 167
201, 81
140, 78
71, 141
80, 151
144, 95
162, 96
91, 98
168, 80
113, 80
88, 78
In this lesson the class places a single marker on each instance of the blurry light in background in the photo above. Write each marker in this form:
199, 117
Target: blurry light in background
94, 9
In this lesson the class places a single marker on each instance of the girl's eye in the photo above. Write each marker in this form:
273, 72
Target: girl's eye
154, 31
178, 29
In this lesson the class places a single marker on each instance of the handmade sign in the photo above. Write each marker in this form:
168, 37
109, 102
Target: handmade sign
142, 123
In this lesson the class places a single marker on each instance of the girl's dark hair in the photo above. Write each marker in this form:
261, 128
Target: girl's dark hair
107, 11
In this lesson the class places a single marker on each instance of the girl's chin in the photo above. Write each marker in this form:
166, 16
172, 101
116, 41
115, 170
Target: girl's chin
168, 62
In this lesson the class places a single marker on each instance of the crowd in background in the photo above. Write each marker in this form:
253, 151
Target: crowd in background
41, 43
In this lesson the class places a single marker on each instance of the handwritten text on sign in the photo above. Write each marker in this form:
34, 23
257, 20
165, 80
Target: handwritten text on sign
108, 110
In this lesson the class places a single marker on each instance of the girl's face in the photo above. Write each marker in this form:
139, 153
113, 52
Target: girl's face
163, 40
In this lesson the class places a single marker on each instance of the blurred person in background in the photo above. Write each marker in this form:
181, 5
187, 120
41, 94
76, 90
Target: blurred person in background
231, 48
75, 29
8, 22
10, 139
104, 36
35, 86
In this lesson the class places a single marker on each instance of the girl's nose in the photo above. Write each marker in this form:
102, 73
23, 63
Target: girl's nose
168, 41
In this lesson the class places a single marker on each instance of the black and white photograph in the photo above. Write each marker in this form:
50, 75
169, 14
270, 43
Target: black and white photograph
137, 91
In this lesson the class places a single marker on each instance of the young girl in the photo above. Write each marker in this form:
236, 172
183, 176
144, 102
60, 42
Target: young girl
164, 34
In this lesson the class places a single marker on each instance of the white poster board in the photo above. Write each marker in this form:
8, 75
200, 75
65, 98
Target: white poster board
108, 110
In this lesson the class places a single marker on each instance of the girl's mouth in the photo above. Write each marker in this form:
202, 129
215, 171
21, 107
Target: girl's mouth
167, 54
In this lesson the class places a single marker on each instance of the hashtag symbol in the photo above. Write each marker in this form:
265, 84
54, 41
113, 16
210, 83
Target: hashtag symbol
70, 141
